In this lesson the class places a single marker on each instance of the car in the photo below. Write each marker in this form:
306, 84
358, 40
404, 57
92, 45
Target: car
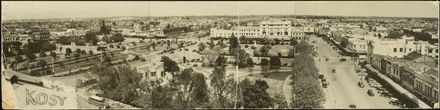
321, 76
370, 92
394, 101
361, 84
324, 84
342, 60
352, 106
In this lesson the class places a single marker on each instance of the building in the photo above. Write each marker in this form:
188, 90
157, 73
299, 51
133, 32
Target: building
266, 29
275, 28
419, 78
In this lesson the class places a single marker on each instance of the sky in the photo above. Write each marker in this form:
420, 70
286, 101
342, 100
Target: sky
83, 9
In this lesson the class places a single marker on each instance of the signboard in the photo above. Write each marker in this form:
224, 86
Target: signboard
34, 97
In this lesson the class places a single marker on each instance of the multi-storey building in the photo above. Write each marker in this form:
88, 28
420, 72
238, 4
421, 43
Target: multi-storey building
275, 29
419, 78
266, 29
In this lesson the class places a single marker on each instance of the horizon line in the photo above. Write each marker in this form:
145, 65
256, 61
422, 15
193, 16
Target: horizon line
417, 17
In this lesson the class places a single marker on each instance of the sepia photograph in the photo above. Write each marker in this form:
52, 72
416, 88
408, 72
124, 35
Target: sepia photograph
220, 54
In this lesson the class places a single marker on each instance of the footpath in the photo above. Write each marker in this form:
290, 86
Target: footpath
397, 87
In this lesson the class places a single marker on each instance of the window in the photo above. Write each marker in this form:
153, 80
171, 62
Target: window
153, 74
395, 49
162, 74
401, 49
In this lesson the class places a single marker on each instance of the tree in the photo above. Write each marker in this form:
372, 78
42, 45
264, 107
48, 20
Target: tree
199, 92
265, 50
90, 52
240, 56
78, 50
344, 43
118, 37
394, 35
291, 52
161, 97
293, 41
275, 62
68, 51
19, 59
154, 45
30, 56
219, 85
169, 65
255, 95
233, 43
306, 86
118, 83
250, 62
53, 55
91, 38
46, 46
83, 52
42, 54
221, 60
202, 46
308, 93
304, 47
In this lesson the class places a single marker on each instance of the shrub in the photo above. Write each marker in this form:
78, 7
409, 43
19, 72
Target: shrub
195, 65
111, 46
42, 54
253, 47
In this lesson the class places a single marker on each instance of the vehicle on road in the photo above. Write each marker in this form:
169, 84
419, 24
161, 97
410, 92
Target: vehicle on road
97, 101
321, 76
324, 84
370, 92
342, 60
361, 84
352, 106
395, 101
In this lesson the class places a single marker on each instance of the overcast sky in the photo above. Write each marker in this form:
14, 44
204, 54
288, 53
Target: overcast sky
75, 9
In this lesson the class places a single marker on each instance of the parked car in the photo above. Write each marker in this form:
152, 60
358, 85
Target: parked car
342, 60
321, 76
352, 106
394, 101
361, 84
324, 84
370, 92
386, 94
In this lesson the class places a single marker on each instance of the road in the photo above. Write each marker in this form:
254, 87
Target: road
343, 89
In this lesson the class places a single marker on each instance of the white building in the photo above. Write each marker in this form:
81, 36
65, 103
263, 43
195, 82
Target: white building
266, 29
74, 32
275, 29
401, 47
